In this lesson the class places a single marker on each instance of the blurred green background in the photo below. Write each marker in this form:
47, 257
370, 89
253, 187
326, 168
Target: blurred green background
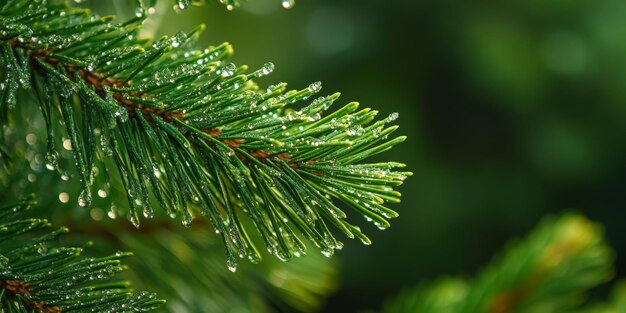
513, 109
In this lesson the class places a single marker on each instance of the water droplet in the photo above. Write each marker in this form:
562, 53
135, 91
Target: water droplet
339, 245
254, 258
392, 116
281, 256
267, 68
134, 220
231, 264
140, 12
106, 148
64, 197
183, 4
52, 160
228, 70
380, 226
148, 213
84, 199
122, 114
67, 144
112, 214
31, 139
327, 252
138, 202
288, 4
315, 87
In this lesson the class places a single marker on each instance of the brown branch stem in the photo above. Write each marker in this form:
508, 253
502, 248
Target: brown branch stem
18, 289
99, 82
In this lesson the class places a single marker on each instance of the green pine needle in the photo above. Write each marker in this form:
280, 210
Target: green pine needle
192, 133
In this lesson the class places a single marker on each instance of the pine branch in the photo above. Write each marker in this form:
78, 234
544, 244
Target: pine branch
549, 271
36, 277
616, 303
189, 132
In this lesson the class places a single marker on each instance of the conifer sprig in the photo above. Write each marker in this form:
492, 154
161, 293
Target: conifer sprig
190, 132
38, 277
549, 271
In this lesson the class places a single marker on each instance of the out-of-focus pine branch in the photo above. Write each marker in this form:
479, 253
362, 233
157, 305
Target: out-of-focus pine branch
549, 271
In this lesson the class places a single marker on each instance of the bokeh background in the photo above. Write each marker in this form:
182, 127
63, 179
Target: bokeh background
513, 109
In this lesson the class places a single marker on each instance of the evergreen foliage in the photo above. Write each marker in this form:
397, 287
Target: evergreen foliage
191, 262
187, 131
37, 276
549, 271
